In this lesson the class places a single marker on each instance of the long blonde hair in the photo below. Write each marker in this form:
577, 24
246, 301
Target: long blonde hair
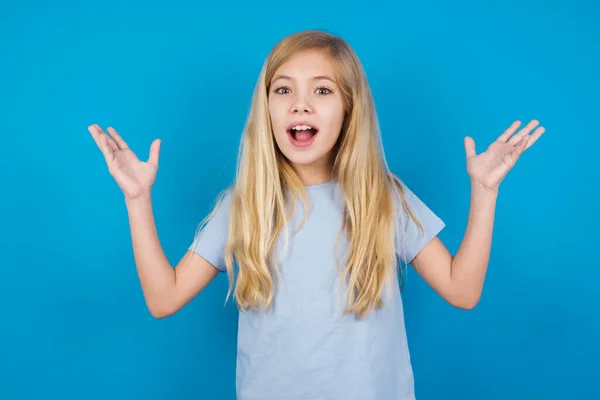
266, 183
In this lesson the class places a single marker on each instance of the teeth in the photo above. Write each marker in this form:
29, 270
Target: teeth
302, 127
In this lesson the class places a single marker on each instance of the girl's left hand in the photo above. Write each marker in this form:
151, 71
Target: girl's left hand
490, 167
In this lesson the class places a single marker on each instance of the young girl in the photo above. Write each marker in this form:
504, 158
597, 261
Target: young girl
312, 230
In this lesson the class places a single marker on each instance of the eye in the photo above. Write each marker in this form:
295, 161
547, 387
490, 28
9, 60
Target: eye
282, 90
323, 90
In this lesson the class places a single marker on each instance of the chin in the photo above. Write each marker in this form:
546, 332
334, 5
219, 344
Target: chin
304, 160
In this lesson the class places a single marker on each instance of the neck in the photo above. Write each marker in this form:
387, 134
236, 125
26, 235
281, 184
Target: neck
314, 174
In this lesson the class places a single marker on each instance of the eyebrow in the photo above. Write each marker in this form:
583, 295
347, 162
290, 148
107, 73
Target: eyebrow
314, 78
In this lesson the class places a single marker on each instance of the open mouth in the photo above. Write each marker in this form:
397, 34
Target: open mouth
302, 135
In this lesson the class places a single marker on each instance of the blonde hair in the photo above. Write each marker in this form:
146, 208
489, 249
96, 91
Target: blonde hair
263, 196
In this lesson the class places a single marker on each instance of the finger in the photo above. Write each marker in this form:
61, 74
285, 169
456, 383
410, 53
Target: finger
154, 153
97, 133
512, 157
100, 138
470, 147
508, 132
523, 132
118, 139
535, 136
107, 151
522, 145
111, 142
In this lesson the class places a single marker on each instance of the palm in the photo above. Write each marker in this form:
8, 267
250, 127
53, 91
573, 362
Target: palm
489, 168
133, 176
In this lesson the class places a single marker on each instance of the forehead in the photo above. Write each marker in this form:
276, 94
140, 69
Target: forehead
306, 65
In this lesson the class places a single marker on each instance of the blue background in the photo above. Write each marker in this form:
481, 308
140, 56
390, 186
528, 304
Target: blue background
74, 324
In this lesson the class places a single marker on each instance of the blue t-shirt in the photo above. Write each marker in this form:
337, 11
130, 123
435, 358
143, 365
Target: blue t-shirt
302, 348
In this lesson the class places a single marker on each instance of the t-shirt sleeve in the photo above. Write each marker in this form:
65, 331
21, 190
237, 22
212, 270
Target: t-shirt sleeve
211, 239
409, 238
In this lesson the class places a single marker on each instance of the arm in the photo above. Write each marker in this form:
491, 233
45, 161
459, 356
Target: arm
166, 289
459, 279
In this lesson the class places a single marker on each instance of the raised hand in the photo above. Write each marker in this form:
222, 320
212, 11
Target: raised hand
134, 177
489, 168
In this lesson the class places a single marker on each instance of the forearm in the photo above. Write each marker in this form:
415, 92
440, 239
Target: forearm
156, 275
469, 265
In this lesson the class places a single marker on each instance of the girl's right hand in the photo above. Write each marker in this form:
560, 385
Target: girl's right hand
134, 177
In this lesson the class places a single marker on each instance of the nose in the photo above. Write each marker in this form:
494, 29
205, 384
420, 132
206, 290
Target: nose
301, 105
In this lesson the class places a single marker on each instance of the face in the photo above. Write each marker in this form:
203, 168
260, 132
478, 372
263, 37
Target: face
307, 112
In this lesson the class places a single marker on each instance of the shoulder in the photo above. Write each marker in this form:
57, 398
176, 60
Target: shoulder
222, 201
405, 198
219, 211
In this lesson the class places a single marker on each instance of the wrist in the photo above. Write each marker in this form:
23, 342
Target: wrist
482, 190
143, 198
483, 197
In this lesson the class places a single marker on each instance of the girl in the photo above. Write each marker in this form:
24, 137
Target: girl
311, 232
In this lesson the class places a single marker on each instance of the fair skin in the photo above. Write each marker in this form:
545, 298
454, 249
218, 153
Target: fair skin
297, 94
303, 89
167, 289
459, 279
